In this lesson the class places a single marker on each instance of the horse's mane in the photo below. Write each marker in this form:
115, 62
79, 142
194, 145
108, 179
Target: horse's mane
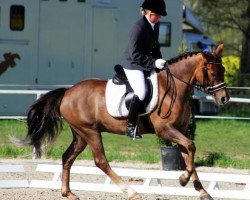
185, 55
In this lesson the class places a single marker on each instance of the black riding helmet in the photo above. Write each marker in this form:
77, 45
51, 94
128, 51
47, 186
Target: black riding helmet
156, 6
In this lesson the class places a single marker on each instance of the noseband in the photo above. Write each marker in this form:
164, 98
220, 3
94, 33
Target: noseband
207, 87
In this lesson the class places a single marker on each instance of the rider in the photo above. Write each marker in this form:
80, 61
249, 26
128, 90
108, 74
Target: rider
142, 54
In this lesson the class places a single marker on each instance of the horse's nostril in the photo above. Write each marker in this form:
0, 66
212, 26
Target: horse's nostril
224, 100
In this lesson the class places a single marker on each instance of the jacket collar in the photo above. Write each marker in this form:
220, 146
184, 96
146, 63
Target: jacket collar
156, 26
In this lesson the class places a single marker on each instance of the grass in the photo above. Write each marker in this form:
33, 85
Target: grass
226, 142
223, 143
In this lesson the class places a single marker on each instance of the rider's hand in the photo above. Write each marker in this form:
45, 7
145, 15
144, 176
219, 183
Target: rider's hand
160, 63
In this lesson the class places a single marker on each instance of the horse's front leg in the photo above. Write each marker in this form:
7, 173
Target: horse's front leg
204, 195
188, 147
197, 184
188, 150
68, 158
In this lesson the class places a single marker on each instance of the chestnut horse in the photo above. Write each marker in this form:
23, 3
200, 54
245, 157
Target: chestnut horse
83, 106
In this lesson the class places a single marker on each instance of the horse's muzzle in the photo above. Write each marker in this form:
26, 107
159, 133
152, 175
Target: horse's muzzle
221, 96
224, 100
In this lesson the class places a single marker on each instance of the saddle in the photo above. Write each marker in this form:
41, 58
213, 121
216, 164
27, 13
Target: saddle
119, 93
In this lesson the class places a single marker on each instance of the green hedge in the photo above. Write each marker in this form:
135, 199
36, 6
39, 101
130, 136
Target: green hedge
232, 66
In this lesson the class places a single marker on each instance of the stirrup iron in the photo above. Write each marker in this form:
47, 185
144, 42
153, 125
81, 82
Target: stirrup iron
135, 136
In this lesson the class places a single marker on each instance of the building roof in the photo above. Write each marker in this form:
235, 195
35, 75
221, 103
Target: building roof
190, 21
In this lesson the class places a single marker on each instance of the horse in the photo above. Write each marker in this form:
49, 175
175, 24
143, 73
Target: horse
83, 107
8, 62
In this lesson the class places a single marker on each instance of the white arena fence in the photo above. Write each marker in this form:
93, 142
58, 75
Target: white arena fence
147, 182
143, 181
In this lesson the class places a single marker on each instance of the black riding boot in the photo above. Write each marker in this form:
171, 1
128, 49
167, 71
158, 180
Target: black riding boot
132, 118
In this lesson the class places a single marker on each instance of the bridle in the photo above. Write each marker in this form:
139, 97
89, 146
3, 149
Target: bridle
207, 87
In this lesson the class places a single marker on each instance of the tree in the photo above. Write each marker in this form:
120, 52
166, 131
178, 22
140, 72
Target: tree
227, 16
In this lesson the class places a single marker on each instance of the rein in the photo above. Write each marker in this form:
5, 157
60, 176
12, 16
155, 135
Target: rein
206, 88
169, 87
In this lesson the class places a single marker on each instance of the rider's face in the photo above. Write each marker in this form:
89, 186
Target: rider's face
153, 17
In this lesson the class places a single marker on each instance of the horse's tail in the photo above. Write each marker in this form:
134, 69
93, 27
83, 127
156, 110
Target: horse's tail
43, 120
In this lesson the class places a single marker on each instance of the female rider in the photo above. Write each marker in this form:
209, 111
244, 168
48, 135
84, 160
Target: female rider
142, 54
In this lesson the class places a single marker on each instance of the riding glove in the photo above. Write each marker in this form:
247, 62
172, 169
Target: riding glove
160, 63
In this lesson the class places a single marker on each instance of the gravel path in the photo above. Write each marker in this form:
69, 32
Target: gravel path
50, 194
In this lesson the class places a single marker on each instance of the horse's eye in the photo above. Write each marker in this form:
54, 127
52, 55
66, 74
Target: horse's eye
214, 74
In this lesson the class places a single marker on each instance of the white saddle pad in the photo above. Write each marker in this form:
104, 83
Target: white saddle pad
115, 97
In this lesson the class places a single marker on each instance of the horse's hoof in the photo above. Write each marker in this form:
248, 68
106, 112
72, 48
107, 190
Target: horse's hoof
70, 196
206, 197
73, 198
184, 178
135, 196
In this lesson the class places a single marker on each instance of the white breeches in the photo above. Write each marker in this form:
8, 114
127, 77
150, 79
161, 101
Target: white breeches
137, 81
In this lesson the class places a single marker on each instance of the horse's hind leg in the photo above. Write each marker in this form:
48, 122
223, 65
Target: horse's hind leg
95, 142
68, 158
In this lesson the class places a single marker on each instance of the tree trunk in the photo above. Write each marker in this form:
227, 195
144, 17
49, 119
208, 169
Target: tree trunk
245, 54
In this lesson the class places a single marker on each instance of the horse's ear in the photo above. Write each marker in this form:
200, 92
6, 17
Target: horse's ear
218, 50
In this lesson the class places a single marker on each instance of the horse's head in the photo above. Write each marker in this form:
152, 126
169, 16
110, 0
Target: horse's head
210, 75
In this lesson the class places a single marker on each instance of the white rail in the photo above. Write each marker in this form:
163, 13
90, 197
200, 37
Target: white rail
38, 93
232, 99
219, 117
239, 88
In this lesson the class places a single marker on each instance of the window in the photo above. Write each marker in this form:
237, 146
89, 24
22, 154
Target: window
165, 34
17, 14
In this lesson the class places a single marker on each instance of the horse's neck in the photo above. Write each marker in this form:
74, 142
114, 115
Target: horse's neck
185, 69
